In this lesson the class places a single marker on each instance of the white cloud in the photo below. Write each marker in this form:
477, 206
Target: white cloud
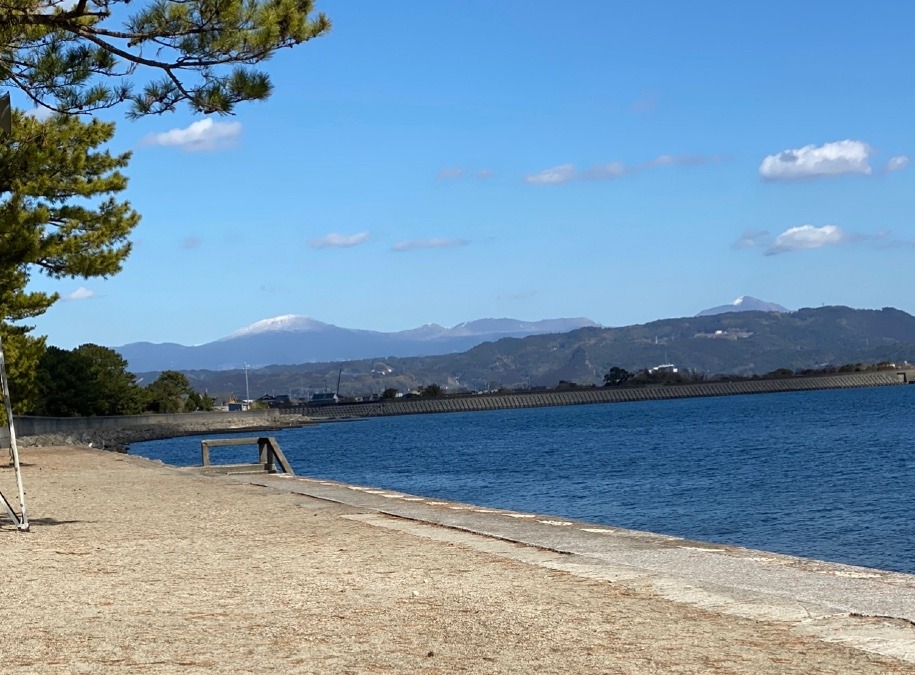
484, 174
40, 113
51, 5
201, 136
80, 293
605, 171
829, 159
191, 242
428, 243
450, 173
567, 173
806, 237
334, 240
897, 163
555, 176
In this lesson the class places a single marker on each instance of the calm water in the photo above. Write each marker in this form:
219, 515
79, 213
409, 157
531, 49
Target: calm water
827, 475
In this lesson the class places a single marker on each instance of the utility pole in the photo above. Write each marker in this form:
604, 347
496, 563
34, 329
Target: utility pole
21, 519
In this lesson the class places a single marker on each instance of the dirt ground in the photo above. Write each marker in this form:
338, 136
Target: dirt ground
131, 566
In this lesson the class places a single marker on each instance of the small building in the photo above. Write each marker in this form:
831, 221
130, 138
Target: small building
324, 399
663, 368
272, 401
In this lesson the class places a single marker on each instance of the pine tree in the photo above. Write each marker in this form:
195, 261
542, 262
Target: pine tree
22, 354
169, 392
58, 214
89, 380
58, 217
86, 55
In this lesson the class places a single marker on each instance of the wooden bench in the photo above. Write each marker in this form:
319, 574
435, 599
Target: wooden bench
270, 456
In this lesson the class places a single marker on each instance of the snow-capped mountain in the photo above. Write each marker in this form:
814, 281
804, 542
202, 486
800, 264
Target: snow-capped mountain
745, 303
291, 323
292, 338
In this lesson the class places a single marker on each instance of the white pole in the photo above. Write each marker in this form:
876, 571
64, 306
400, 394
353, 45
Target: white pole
23, 519
23, 523
247, 392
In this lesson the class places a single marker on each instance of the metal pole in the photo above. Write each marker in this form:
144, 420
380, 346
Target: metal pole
23, 521
247, 392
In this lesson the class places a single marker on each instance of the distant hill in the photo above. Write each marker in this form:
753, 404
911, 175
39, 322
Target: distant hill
292, 339
744, 303
743, 343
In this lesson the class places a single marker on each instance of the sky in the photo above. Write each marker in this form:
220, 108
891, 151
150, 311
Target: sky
439, 162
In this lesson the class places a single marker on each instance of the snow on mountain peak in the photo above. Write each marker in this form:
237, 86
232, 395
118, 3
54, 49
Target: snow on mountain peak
290, 323
745, 303
430, 332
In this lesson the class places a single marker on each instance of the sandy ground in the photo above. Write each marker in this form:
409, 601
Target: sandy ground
131, 566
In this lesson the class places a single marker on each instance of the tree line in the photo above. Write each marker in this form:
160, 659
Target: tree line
93, 380
617, 376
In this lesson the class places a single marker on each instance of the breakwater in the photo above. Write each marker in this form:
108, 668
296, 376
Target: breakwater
117, 431
541, 399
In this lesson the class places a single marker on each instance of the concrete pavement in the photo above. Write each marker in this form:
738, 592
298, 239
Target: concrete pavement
870, 609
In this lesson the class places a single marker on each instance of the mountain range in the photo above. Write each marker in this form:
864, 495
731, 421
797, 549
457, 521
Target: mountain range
293, 338
740, 343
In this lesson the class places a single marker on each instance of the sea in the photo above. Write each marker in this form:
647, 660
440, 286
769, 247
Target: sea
819, 474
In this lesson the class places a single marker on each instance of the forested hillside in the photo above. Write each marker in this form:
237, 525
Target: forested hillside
744, 343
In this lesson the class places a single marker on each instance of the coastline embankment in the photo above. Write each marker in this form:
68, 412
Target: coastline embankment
116, 432
625, 394
146, 567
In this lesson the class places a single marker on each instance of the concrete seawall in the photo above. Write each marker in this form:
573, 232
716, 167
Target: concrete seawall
601, 395
117, 431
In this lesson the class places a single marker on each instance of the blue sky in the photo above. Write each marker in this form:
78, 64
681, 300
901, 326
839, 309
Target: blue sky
437, 162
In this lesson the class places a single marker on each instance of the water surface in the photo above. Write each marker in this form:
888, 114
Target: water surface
823, 474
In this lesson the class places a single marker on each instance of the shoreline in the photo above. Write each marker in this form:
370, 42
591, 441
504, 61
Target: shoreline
211, 430
142, 566
116, 432
695, 562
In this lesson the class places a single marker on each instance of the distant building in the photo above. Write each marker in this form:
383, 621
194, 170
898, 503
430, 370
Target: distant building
323, 399
274, 401
663, 368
